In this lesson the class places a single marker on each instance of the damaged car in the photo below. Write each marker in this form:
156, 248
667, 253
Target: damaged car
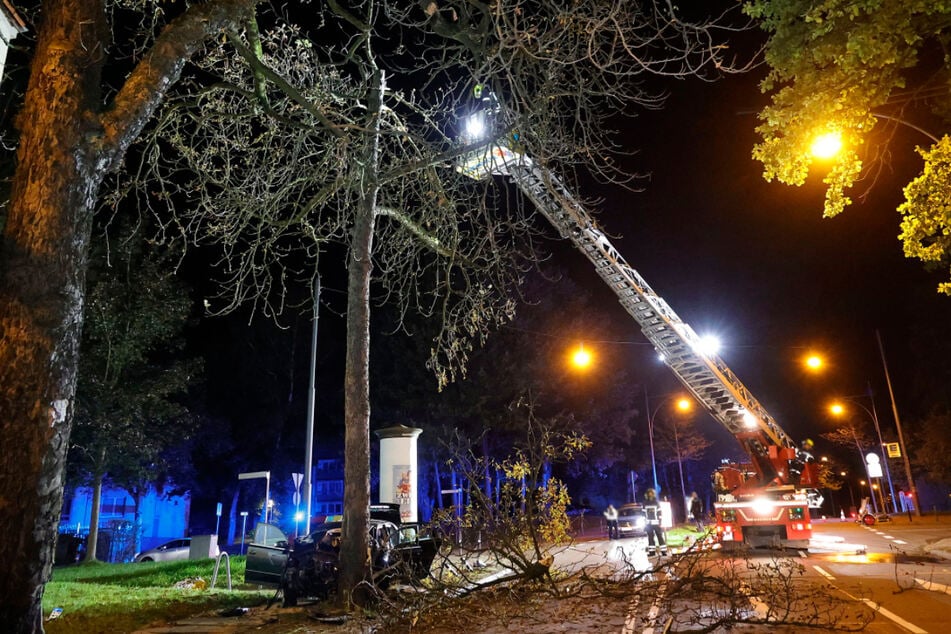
310, 566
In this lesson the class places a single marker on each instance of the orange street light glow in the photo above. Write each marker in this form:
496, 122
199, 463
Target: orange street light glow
581, 358
814, 362
684, 405
837, 409
827, 145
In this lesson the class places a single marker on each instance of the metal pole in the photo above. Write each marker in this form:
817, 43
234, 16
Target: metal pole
680, 466
858, 446
267, 496
901, 437
311, 404
881, 448
650, 434
244, 528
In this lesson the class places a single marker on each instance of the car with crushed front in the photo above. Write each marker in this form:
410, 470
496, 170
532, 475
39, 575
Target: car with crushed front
309, 567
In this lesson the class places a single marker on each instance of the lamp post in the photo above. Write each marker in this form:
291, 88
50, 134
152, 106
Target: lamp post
901, 437
683, 404
873, 415
251, 475
244, 528
838, 409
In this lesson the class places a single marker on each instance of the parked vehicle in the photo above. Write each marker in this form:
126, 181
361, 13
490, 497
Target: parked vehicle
631, 520
309, 567
175, 550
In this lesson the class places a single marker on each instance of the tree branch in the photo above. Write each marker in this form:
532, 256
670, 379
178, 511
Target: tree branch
162, 66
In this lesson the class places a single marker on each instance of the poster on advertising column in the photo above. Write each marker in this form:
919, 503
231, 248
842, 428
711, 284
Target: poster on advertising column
403, 493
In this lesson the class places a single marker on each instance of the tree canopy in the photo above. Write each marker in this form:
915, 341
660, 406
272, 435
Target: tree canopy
131, 370
861, 70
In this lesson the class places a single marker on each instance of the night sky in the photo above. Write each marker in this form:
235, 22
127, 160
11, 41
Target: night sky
755, 262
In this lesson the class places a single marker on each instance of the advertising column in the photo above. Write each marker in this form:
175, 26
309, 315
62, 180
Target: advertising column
398, 469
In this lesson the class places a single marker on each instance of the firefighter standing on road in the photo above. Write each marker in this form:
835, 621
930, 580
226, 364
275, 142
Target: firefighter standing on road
610, 514
655, 534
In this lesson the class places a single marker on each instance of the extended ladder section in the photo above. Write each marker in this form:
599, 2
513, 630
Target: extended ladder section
704, 374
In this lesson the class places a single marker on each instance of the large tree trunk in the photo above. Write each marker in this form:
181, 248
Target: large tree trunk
44, 253
65, 148
356, 492
354, 566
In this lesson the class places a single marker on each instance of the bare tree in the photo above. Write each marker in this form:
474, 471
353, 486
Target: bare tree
346, 133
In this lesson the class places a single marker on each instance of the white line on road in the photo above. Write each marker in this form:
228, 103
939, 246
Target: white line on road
824, 573
911, 627
631, 621
899, 541
931, 585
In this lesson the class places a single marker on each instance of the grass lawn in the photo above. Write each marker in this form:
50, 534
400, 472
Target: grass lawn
102, 597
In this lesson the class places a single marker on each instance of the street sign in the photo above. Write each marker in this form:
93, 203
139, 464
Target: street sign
893, 449
874, 465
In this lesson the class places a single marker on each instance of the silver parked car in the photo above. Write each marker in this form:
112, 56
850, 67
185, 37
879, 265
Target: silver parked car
175, 550
631, 520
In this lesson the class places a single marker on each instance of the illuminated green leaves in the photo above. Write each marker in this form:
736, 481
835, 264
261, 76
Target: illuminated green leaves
926, 212
837, 65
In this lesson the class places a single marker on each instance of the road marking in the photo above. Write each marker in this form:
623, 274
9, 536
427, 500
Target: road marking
887, 536
824, 573
899, 541
931, 585
631, 621
911, 627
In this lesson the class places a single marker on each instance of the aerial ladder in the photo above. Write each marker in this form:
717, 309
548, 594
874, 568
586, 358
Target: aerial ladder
761, 503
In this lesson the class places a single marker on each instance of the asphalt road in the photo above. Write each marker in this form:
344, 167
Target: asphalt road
899, 568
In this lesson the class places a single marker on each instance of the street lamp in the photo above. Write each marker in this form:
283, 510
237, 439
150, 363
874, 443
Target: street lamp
581, 358
878, 431
839, 410
684, 405
813, 362
827, 145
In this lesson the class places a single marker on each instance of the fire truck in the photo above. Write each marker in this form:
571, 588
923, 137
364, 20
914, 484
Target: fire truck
764, 502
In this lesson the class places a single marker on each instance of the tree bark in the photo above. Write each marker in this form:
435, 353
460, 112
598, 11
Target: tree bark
354, 565
66, 145
92, 542
44, 255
